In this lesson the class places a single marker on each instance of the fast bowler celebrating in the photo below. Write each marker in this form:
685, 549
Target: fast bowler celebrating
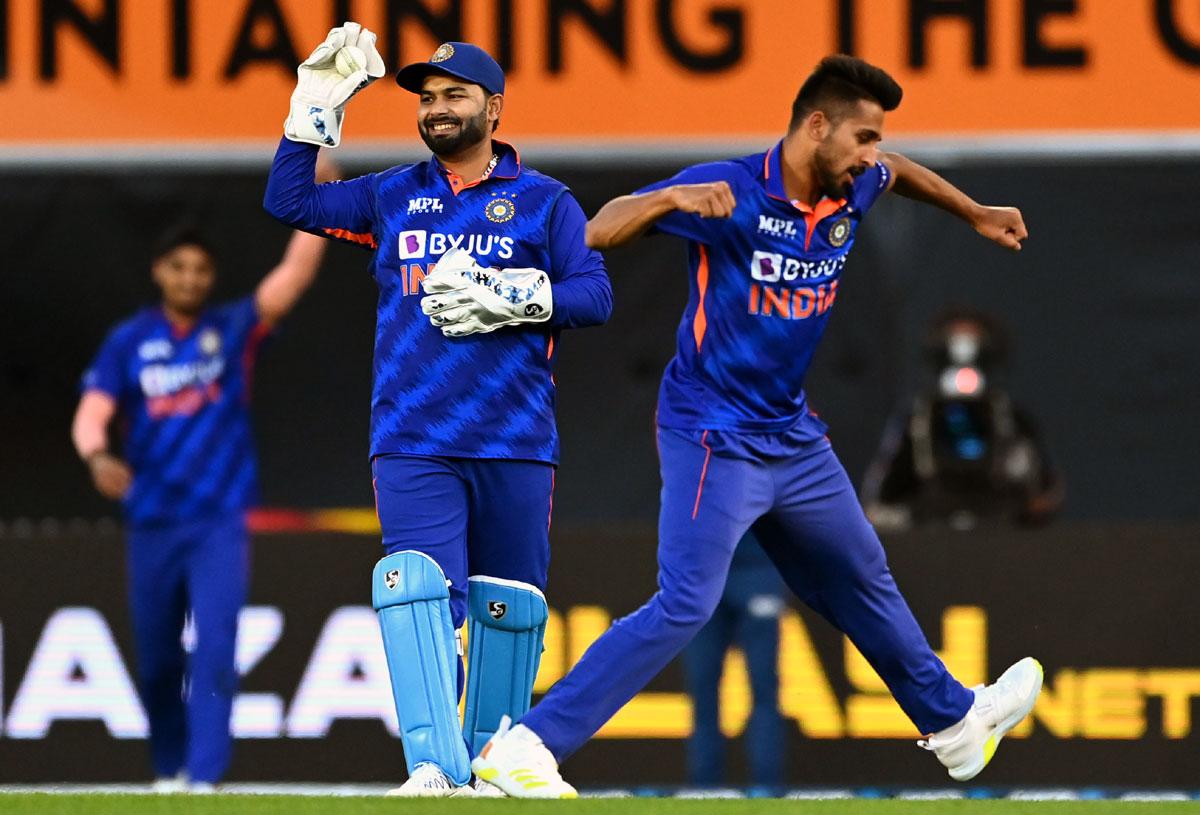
768, 237
463, 440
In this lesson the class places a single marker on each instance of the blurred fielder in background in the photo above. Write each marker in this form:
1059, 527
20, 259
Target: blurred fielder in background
746, 615
178, 375
463, 439
768, 236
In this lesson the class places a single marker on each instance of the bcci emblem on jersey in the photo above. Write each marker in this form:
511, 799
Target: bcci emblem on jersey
443, 53
497, 608
839, 233
500, 210
210, 341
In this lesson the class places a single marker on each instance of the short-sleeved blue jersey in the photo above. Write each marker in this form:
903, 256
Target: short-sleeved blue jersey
482, 396
183, 402
762, 283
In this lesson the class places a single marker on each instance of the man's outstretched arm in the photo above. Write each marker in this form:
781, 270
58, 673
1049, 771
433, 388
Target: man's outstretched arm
1004, 225
284, 285
624, 219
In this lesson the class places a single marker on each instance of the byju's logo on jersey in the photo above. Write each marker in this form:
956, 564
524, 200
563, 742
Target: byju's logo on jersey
412, 243
766, 266
776, 227
771, 267
419, 206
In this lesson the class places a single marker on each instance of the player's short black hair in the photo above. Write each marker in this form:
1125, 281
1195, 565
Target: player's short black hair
185, 233
839, 82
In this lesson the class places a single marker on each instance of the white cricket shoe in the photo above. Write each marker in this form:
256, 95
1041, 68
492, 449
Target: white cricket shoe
485, 790
967, 747
517, 762
170, 784
428, 781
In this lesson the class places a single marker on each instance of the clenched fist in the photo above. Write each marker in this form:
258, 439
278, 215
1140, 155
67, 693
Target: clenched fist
1004, 225
711, 200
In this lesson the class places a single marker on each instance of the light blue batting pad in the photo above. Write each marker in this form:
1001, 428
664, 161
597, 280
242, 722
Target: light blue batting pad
507, 620
409, 591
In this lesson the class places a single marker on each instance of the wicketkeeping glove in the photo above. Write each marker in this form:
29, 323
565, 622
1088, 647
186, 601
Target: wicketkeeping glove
322, 90
464, 298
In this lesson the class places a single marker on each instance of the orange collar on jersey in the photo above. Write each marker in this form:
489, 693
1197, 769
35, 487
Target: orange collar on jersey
507, 167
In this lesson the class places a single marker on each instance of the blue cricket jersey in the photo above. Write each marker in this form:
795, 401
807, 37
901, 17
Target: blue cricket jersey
762, 284
481, 396
183, 401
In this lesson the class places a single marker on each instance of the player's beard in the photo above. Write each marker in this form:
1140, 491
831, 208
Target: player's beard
470, 132
830, 176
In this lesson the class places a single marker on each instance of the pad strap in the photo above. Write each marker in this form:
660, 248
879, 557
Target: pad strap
409, 591
507, 621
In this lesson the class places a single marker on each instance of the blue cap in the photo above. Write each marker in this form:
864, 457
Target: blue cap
458, 59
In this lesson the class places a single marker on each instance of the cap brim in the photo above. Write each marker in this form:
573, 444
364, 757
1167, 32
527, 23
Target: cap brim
412, 77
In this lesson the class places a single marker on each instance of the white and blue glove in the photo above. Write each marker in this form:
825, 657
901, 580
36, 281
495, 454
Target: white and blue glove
340, 67
462, 297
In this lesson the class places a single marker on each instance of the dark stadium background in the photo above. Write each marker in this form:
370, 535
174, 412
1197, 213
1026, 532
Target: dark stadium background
1103, 306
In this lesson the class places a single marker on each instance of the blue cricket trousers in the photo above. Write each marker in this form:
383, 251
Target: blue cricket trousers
472, 516
202, 566
808, 519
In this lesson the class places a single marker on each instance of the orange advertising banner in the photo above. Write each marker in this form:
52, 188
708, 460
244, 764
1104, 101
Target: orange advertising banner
601, 71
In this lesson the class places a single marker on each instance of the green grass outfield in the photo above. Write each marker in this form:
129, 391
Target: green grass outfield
294, 805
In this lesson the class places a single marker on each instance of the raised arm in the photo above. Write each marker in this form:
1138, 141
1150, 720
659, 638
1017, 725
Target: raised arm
339, 209
1003, 225
283, 286
89, 433
624, 219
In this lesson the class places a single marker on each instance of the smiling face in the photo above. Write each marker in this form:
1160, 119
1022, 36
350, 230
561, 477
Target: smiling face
455, 115
848, 145
185, 275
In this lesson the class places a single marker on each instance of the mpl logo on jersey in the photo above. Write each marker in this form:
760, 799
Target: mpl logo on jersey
152, 350
777, 227
420, 206
419, 243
